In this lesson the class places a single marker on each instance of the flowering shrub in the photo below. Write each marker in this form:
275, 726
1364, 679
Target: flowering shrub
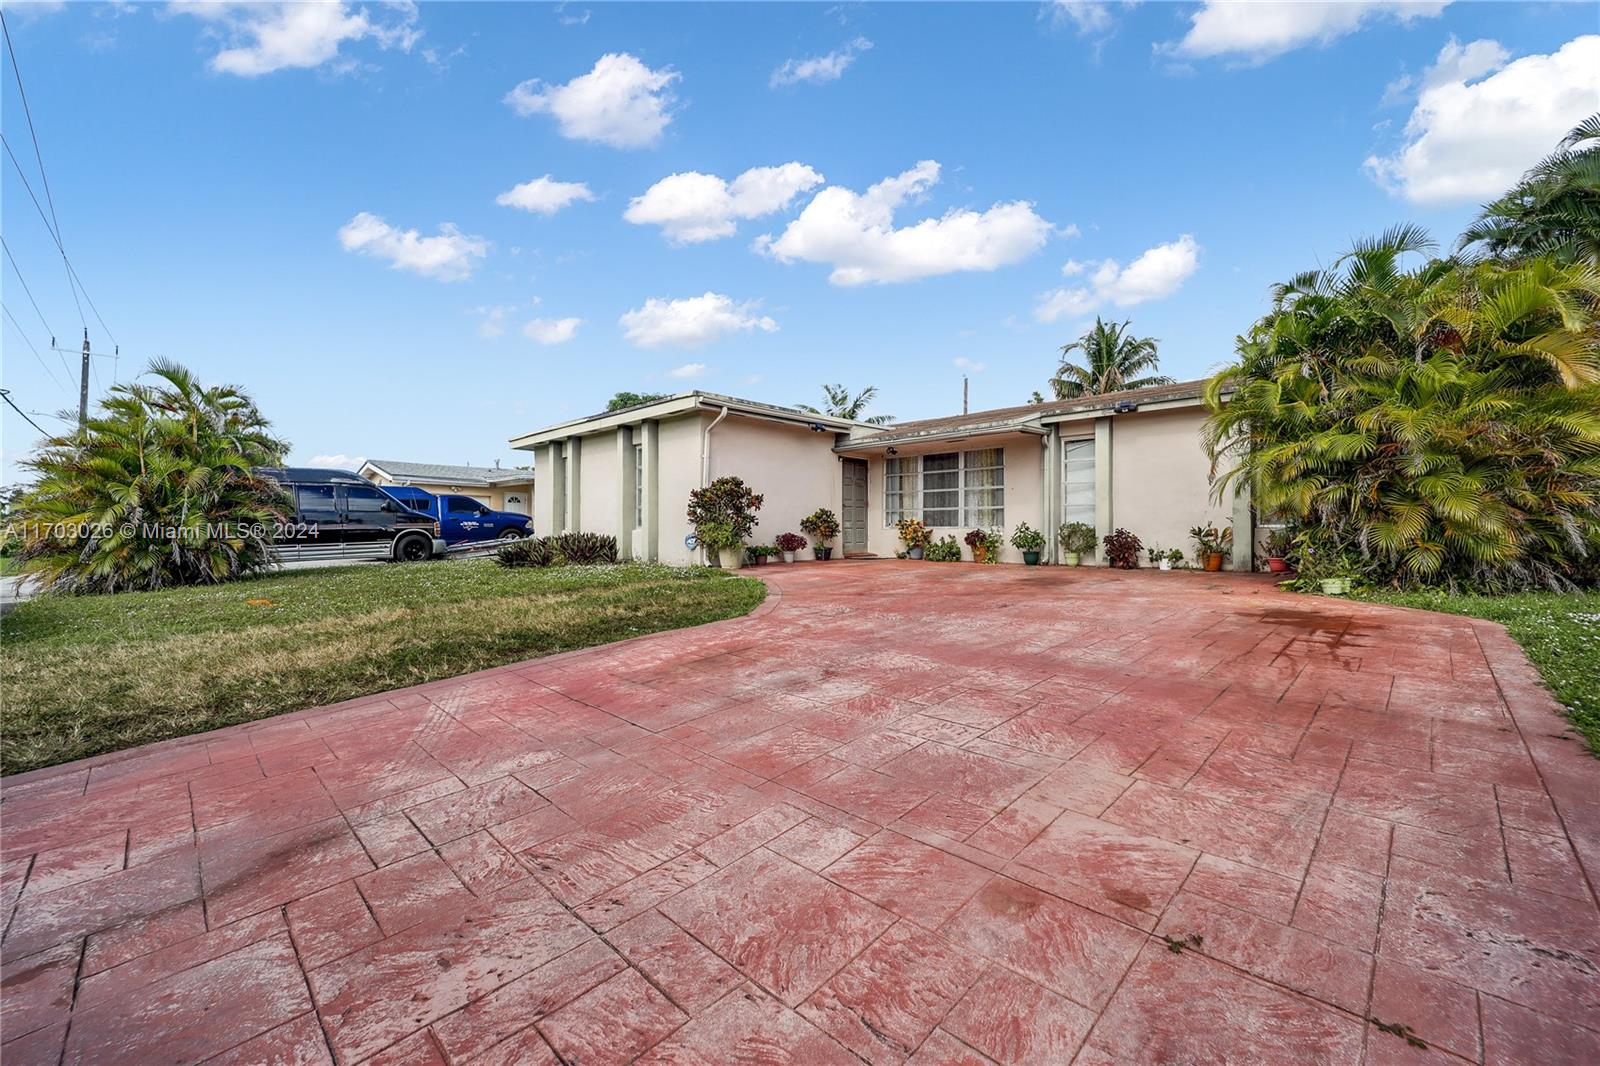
913, 534
790, 542
724, 512
1122, 549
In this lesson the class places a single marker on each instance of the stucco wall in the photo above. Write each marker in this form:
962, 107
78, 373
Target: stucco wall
791, 466
1024, 499
598, 503
1160, 484
679, 474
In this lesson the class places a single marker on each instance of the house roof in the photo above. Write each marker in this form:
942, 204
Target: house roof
679, 404
1030, 417
445, 473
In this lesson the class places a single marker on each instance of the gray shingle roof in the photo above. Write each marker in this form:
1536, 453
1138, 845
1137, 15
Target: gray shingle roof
449, 474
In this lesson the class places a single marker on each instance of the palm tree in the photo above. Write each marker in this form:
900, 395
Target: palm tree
1554, 210
1437, 423
158, 488
1115, 360
840, 404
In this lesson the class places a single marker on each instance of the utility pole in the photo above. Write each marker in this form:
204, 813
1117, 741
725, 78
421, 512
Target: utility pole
83, 384
964, 390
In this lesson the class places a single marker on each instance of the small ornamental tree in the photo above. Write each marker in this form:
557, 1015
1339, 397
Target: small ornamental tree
724, 512
822, 524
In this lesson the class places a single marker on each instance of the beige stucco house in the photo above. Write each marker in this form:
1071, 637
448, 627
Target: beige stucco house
502, 490
1131, 459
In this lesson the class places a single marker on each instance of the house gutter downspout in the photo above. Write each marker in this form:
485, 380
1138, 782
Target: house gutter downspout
705, 457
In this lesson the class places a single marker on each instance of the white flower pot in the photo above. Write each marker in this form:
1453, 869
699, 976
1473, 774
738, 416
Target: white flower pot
788, 557
731, 558
1166, 564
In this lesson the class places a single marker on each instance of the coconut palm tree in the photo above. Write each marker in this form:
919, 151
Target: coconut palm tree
1437, 420
1554, 210
1113, 360
840, 404
158, 488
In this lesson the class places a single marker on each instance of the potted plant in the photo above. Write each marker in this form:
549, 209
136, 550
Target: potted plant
723, 515
943, 551
1028, 541
788, 544
1210, 544
1158, 557
1122, 549
994, 542
822, 525
914, 535
1279, 541
983, 543
1174, 559
1075, 539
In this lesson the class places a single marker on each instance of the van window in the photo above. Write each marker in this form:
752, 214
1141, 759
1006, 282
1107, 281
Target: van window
359, 499
462, 505
316, 503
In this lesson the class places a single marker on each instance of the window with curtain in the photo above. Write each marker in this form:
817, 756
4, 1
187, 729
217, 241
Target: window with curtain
948, 489
1077, 481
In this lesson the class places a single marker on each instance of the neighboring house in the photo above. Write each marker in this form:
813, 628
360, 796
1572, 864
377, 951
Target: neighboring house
1132, 459
501, 490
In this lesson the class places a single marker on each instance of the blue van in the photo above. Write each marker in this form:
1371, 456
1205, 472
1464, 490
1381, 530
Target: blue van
462, 519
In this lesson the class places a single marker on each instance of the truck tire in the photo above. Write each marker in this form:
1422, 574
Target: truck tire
512, 534
412, 548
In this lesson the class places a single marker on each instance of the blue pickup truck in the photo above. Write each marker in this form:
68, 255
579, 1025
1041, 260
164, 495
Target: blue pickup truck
462, 520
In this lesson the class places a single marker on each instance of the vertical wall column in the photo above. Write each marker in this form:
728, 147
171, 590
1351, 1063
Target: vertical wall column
574, 465
652, 490
550, 484
1104, 520
625, 491
1244, 530
1050, 506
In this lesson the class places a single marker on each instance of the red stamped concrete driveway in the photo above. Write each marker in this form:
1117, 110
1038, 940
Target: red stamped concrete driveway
944, 814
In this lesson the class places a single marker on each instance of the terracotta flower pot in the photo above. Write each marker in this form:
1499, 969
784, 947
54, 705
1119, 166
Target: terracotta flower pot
1213, 561
1278, 566
980, 554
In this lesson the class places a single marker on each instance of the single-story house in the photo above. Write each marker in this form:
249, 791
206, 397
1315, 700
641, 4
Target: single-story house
496, 488
1132, 459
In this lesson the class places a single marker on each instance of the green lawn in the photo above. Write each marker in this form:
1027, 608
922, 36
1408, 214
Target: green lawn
84, 675
1559, 631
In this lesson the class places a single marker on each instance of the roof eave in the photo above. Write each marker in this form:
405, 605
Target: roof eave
681, 404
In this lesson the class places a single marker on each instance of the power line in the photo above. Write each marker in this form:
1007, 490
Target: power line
52, 333
5, 394
27, 111
23, 334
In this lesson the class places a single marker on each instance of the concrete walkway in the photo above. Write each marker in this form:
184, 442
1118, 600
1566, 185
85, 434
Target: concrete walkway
936, 813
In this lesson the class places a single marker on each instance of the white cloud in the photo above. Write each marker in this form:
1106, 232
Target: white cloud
1088, 16
855, 233
1158, 272
339, 461
544, 195
818, 70
687, 370
1480, 121
1259, 31
693, 207
963, 363
449, 256
621, 102
492, 321
552, 330
691, 322
259, 38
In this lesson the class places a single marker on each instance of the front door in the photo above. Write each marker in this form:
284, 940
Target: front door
855, 505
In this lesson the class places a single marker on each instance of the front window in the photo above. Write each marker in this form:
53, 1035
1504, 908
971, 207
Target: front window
947, 489
1077, 481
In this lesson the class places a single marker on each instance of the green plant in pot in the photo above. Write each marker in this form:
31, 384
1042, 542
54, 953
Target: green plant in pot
723, 514
1075, 539
788, 544
943, 551
1279, 543
1122, 549
914, 535
1028, 541
821, 525
1210, 544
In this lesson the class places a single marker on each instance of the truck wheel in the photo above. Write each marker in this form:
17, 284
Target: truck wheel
511, 534
412, 549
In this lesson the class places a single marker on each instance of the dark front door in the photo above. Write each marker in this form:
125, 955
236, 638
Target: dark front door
854, 519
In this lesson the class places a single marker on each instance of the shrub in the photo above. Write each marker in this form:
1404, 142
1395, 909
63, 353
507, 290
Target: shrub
943, 551
790, 542
529, 551
585, 549
913, 534
822, 524
160, 488
1076, 537
724, 512
1122, 549
1027, 539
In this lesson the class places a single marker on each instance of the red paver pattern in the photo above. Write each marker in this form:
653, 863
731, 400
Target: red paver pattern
903, 813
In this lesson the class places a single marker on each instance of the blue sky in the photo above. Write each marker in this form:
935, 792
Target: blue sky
303, 199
